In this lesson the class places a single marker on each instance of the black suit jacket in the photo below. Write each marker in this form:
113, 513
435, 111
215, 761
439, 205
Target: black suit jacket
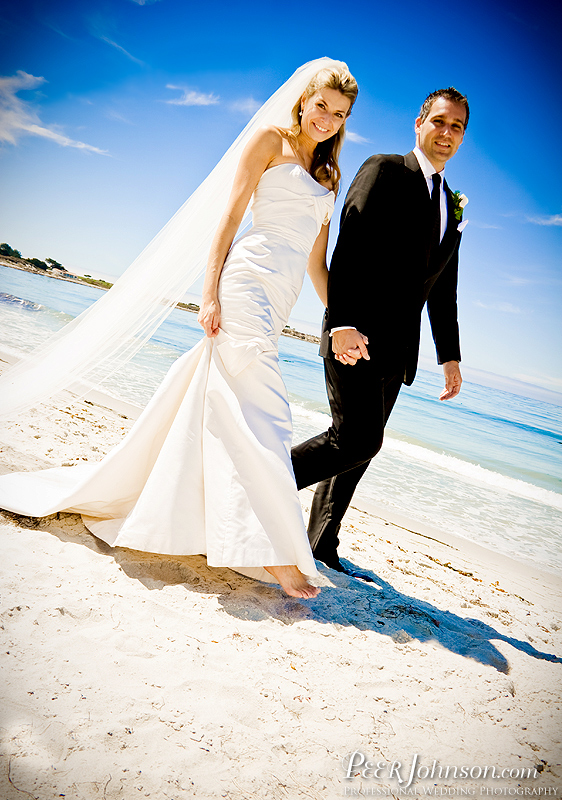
383, 271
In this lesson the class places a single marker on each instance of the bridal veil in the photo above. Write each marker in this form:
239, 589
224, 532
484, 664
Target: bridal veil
101, 339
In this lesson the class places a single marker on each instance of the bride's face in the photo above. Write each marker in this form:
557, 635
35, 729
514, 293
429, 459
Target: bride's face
323, 114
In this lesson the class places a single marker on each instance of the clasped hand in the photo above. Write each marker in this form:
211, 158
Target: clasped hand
349, 346
209, 317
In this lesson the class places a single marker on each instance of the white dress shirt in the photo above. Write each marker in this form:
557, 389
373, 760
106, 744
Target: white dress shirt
428, 172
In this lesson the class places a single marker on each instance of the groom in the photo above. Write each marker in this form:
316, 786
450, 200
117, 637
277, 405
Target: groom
397, 250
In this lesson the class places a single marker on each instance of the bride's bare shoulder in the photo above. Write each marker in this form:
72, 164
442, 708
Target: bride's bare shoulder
268, 137
275, 130
270, 143
272, 135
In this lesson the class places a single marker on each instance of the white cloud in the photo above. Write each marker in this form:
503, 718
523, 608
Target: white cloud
516, 280
144, 2
190, 97
98, 26
356, 138
486, 226
547, 381
554, 219
56, 29
110, 42
18, 117
506, 308
115, 115
247, 105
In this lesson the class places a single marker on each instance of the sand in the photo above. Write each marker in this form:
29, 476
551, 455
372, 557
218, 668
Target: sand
128, 675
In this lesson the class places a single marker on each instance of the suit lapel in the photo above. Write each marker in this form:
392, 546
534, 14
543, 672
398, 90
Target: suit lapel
423, 199
411, 162
450, 237
419, 184
418, 203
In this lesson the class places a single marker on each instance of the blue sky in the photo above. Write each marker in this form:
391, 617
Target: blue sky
114, 111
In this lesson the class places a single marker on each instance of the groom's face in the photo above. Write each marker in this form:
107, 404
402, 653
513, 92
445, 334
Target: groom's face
440, 135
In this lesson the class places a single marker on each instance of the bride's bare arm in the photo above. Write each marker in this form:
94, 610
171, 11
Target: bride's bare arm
260, 151
317, 268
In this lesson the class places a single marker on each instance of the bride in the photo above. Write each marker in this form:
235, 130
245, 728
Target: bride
206, 468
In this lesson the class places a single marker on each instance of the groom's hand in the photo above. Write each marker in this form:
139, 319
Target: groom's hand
453, 380
349, 346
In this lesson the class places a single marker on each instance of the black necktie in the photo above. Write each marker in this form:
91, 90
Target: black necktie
436, 210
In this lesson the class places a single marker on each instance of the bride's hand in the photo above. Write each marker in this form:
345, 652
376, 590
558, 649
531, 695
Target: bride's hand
209, 317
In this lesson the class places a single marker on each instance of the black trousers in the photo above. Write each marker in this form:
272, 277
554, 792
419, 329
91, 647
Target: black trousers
361, 399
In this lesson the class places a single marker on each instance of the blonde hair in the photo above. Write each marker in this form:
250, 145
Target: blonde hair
325, 165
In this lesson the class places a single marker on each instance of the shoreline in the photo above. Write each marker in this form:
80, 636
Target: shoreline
416, 531
481, 377
536, 572
533, 579
24, 266
122, 667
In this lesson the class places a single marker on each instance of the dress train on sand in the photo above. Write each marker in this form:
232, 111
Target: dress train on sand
207, 467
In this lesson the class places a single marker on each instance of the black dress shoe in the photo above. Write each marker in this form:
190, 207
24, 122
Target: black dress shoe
330, 561
355, 573
335, 564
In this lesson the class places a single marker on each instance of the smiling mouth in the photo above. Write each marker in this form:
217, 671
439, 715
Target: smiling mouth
322, 130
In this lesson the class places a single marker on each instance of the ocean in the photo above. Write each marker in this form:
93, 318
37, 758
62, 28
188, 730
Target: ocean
485, 466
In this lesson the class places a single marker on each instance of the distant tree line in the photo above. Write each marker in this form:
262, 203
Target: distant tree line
48, 264
6, 250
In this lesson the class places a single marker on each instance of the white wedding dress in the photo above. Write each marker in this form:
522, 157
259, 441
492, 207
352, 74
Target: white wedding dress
207, 468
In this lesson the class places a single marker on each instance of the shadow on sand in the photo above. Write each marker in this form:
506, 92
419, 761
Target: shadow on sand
348, 602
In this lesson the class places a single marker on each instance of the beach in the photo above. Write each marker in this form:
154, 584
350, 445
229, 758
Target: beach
131, 675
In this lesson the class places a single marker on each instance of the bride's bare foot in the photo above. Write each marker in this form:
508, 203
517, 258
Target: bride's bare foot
293, 582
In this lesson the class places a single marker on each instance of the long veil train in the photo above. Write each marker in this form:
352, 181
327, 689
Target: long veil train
112, 330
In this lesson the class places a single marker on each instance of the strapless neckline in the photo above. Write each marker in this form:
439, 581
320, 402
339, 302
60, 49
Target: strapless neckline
305, 172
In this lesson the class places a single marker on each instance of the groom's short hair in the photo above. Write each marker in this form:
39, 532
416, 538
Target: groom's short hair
449, 94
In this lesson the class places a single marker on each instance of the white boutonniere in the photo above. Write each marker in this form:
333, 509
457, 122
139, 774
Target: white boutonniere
459, 202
